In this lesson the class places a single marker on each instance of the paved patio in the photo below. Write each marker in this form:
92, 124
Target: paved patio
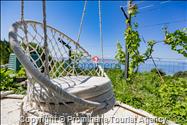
121, 115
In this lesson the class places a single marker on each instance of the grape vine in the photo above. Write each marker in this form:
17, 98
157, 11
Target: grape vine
177, 40
133, 40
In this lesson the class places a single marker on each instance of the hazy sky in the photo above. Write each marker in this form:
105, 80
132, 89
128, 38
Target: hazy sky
66, 15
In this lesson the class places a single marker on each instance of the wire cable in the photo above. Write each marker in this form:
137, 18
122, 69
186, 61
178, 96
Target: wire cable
162, 23
152, 5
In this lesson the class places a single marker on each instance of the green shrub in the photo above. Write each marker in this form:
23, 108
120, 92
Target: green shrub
173, 95
5, 51
147, 92
7, 80
154, 70
181, 74
21, 73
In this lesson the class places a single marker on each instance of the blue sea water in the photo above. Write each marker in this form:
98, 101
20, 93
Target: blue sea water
167, 65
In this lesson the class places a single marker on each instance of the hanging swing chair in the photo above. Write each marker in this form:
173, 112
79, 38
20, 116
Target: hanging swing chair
59, 78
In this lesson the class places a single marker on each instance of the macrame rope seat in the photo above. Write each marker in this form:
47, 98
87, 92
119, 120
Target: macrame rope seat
72, 85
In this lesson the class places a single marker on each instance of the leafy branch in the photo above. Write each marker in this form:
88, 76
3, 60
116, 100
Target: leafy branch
120, 55
177, 40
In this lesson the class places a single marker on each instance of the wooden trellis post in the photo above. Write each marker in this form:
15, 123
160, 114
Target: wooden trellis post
128, 24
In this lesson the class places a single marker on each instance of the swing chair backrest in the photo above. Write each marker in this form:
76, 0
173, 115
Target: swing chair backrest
64, 56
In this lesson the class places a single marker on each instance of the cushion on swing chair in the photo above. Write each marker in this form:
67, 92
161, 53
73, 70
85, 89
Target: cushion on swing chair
92, 88
86, 87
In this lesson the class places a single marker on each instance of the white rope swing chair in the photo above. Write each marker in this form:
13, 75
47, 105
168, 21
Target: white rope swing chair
58, 81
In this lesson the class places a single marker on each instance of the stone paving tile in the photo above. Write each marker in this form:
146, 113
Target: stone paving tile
10, 114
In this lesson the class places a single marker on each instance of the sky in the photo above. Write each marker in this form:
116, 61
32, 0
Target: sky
66, 15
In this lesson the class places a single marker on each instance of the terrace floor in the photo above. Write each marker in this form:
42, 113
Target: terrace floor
121, 115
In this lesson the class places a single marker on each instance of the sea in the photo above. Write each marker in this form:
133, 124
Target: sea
169, 66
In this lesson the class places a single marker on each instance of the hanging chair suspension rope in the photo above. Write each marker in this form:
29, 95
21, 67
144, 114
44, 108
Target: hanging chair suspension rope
24, 26
100, 28
27, 43
81, 23
79, 33
46, 71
